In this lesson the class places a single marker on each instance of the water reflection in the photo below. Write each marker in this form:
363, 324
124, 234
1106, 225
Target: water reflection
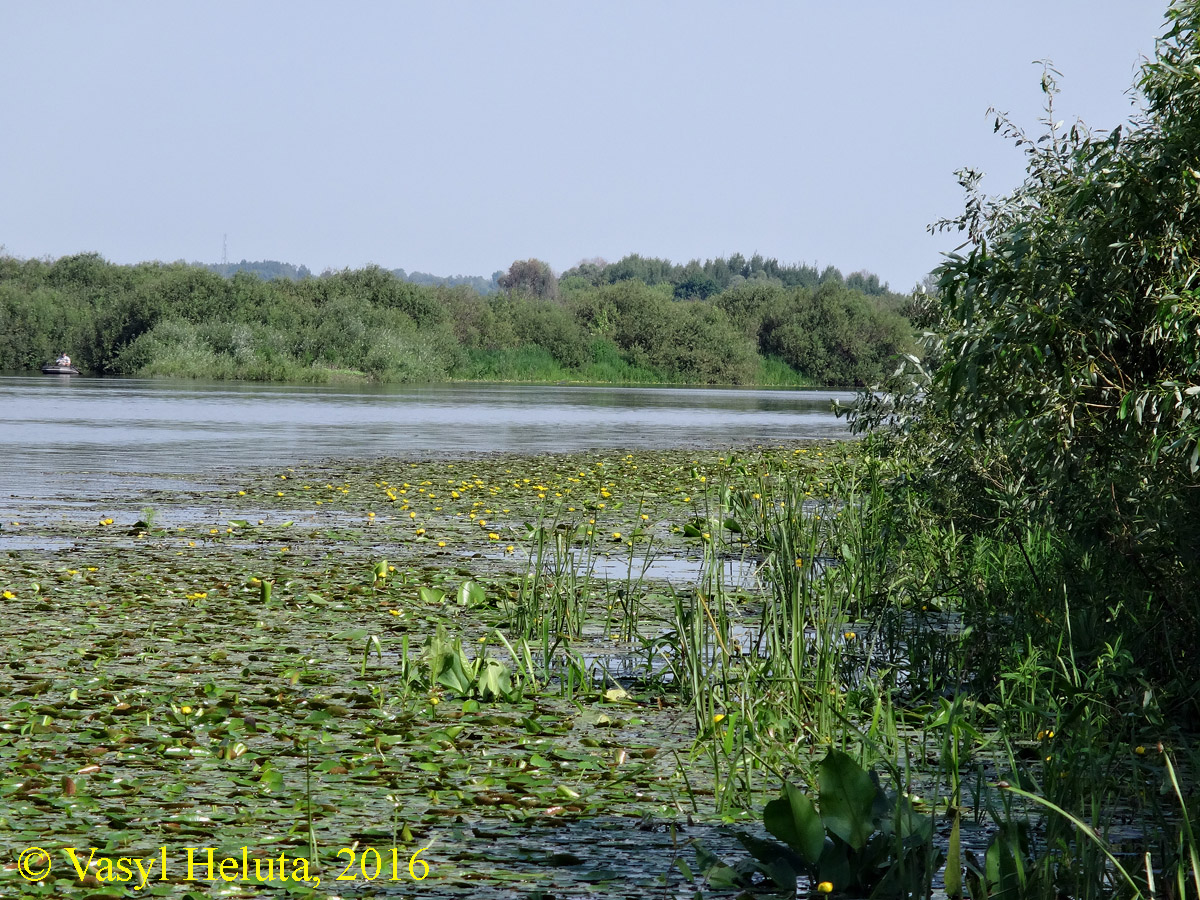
55, 427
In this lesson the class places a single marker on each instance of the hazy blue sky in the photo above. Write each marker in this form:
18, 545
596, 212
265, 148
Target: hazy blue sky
455, 137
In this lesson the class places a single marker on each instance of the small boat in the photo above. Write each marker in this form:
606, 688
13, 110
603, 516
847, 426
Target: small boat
56, 369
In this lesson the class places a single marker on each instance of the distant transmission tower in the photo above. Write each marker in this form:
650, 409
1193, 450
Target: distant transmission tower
225, 249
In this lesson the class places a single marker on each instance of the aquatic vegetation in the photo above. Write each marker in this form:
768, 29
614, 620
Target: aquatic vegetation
857, 838
362, 679
390, 674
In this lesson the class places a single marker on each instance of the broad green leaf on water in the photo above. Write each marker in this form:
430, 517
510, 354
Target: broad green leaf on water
835, 867
239, 523
723, 878
471, 594
1004, 865
495, 681
716, 873
778, 861
451, 674
616, 695
431, 595
448, 664
354, 634
596, 876
847, 794
793, 819
784, 876
733, 525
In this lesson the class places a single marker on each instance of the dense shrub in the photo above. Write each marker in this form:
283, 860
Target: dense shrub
189, 321
1059, 403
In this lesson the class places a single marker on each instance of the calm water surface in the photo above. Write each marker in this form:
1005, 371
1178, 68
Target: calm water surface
57, 434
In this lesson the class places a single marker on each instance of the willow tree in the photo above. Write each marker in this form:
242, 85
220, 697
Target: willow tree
1064, 351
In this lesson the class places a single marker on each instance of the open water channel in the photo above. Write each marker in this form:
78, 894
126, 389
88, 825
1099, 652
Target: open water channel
59, 433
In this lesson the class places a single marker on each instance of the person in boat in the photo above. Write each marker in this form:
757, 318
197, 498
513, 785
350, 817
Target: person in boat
63, 360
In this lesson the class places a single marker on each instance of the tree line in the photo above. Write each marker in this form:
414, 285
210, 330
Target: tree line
636, 320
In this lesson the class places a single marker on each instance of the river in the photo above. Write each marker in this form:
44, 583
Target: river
60, 434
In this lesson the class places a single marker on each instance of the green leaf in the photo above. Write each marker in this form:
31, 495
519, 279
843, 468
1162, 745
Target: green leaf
495, 681
953, 874
847, 794
793, 819
471, 594
452, 674
431, 595
835, 867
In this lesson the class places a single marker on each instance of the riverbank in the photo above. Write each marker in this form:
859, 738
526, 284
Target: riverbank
523, 367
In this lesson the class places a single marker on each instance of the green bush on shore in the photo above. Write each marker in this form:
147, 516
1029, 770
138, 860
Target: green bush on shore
185, 321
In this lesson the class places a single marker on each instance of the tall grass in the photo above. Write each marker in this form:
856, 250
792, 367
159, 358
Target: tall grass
954, 660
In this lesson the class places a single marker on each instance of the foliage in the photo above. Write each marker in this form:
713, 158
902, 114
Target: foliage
697, 279
531, 277
1059, 396
838, 335
477, 283
188, 321
861, 838
856, 837
451, 668
266, 269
